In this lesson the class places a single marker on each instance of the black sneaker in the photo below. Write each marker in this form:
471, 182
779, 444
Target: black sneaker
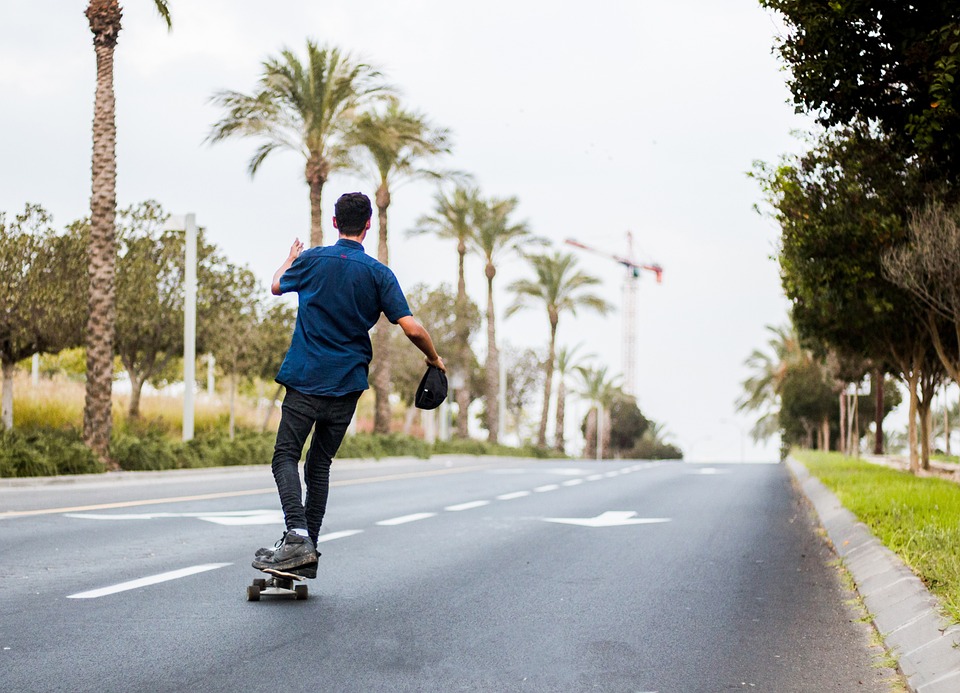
294, 551
306, 571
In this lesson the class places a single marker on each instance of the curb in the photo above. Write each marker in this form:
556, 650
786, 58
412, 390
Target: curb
904, 612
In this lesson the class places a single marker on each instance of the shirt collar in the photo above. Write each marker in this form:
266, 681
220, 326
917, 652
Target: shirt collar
347, 243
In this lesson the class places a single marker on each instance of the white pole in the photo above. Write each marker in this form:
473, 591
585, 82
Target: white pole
211, 365
35, 371
189, 325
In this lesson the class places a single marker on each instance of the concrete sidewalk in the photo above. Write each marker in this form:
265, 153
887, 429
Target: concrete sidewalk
907, 616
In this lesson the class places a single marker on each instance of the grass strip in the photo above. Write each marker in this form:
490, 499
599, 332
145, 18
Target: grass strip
916, 518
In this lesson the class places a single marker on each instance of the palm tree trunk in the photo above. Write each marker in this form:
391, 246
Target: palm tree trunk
558, 442
381, 378
462, 394
270, 408
382, 372
317, 172
548, 384
606, 432
590, 434
6, 408
842, 444
104, 17
912, 381
878, 416
493, 364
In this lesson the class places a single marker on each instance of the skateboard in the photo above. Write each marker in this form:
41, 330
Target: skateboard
278, 584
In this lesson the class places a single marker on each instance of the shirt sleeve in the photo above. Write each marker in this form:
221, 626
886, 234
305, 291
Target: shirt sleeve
393, 303
292, 279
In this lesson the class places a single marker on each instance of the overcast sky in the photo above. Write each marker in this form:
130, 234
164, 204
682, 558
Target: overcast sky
599, 117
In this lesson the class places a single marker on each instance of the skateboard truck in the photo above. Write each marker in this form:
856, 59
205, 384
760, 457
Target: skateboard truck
277, 586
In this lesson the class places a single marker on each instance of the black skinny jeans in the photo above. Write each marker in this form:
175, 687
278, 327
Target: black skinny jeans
301, 412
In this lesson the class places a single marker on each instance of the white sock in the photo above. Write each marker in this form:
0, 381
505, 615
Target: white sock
300, 532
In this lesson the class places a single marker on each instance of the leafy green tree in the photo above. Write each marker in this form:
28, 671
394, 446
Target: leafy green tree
435, 308
396, 143
525, 378
495, 235
306, 106
104, 18
841, 207
235, 327
150, 275
887, 62
453, 219
42, 290
561, 288
599, 388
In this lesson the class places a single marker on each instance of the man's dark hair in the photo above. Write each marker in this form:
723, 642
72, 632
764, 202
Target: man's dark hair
353, 211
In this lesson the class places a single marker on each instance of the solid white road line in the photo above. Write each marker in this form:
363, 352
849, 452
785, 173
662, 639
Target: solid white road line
143, 582
515, 494
405, 519
467, 506
548, 487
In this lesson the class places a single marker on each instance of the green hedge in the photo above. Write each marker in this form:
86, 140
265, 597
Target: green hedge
54, 452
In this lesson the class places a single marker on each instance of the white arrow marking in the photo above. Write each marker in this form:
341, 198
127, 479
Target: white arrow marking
143, 582
233, 518
613, 518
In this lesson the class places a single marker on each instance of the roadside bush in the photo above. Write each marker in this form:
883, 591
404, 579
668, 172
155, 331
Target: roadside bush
459, 446
151, 451
45, 453
375, 446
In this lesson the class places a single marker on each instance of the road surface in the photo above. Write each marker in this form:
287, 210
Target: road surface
455, 574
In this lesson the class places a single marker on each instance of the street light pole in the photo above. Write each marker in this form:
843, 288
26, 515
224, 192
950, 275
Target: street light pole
189, 325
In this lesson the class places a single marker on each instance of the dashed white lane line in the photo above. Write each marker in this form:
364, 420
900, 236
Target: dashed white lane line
143, 582
404, 519
595, 477
572, 482
548, 487
515, 494
610, 475
467, 506
338, 535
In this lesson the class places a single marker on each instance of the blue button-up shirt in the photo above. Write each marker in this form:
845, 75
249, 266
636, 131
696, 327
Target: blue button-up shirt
342, 292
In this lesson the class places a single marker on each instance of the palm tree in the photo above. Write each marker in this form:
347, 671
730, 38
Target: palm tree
104, 17
306, 107
598, 388
567, 360
561, 288
761, 391
453, 219
494, 235
395, 142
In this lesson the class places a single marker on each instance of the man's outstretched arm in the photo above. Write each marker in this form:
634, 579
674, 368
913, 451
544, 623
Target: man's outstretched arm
295, 251
417, 334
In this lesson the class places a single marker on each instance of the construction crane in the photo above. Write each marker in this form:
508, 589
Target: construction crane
629, 309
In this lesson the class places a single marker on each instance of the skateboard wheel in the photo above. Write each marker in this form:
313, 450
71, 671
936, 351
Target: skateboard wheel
261, 583
253, 593
300, 591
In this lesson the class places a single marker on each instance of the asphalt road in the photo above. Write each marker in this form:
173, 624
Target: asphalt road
445, 575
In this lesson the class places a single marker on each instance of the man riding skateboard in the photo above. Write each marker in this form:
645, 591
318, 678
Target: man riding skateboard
341, 293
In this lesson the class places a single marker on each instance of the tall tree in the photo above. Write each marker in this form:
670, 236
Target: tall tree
892, 63
560, 288
453, 219
104, 17
42, 290
495, 235
396, 143
306, 107
597, 386
568, 359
